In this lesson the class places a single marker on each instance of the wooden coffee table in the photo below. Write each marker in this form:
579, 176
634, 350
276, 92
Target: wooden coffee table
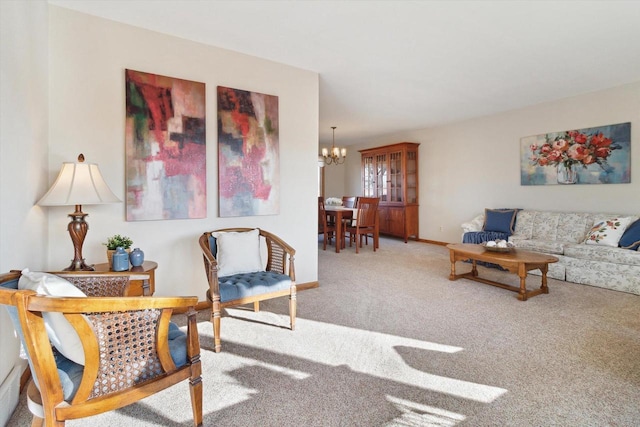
516, 261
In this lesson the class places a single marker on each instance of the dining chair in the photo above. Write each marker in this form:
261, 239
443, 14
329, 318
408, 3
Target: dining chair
366, 223
325, 228
349, 201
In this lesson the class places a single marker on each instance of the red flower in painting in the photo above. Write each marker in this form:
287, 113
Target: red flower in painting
573, 147
599, 140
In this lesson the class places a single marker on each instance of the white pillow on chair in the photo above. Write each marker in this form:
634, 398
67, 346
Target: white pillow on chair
61, 334
238, 252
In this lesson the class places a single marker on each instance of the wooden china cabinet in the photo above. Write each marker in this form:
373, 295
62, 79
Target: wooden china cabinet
391, 174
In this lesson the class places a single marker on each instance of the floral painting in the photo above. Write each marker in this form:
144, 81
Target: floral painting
248, 153
598, 155
165, 147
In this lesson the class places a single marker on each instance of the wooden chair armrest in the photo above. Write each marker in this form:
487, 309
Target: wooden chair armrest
107, 304
206, 250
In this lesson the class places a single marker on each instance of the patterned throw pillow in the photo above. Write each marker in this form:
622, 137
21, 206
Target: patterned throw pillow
607, 231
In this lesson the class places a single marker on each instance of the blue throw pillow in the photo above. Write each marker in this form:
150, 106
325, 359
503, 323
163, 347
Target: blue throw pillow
501, 220
631, 237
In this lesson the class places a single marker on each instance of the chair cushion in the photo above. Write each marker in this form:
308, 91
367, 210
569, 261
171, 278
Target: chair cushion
238, 252
62, 335
70, 374
177, 345
250, 284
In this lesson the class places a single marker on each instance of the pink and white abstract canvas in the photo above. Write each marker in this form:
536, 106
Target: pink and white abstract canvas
165, 148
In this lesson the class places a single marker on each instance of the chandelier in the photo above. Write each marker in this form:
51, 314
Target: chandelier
336, 155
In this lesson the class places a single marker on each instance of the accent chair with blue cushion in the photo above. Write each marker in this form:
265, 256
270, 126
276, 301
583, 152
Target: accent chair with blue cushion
244, 266
117, 334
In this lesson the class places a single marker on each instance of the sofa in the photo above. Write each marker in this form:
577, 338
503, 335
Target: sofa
587, 245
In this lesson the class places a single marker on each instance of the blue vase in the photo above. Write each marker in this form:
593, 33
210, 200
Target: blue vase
136, 257
120, 260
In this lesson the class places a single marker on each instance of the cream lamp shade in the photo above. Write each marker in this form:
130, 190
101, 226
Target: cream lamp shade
78, 184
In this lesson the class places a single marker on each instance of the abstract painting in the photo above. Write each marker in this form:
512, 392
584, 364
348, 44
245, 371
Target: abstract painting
598, 155
248, 153
165, 147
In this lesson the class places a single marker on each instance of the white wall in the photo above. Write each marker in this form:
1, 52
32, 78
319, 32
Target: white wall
23, 160
468, 166
87, 109
334, 180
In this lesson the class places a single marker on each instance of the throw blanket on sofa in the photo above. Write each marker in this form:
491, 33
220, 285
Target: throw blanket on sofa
478, 237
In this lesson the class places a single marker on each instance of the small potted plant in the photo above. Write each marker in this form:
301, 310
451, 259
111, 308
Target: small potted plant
115, 242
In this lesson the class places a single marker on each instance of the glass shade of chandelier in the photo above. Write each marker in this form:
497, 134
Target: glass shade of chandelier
336, 155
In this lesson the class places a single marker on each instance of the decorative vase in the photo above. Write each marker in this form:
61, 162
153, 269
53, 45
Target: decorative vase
567, 174
110, 253
136, 257
120, 260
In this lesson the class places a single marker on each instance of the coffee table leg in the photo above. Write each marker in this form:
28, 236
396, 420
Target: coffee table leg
474, 268
452, 257
544, 269
522, 273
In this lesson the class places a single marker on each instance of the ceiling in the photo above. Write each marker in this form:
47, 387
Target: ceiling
389, 66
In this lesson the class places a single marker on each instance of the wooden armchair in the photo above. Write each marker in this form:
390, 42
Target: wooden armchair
251, 282
130, 349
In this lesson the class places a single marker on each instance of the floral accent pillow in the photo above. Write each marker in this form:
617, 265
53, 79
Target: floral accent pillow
608, 231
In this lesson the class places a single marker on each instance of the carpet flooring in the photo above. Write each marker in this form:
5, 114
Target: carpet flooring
388, 340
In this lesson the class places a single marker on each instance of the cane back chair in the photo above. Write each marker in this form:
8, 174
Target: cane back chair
131, 349
276, 279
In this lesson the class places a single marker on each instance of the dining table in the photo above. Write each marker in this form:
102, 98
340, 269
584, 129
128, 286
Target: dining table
339, 213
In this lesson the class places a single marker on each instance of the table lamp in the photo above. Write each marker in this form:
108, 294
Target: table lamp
78, 184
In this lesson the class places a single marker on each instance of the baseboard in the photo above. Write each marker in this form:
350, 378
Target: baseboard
433, 242
10, 391
307, 285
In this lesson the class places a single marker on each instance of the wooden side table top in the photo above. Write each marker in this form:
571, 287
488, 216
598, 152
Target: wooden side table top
146, 267
138, 287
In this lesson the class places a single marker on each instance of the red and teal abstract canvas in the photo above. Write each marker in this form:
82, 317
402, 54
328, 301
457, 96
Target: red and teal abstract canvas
165, 148
248, 153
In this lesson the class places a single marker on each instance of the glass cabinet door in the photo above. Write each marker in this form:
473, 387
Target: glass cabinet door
395, 177
368, 177
412, 177
381, 177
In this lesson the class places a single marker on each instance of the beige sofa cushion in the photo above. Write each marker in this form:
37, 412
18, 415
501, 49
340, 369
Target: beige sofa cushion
546, 246
573, 227
602, 253
524, 224
545, 225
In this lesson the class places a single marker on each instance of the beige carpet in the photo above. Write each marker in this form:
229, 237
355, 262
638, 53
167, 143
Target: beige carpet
388, 340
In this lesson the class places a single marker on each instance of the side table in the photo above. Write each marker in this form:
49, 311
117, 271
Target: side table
137, 287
